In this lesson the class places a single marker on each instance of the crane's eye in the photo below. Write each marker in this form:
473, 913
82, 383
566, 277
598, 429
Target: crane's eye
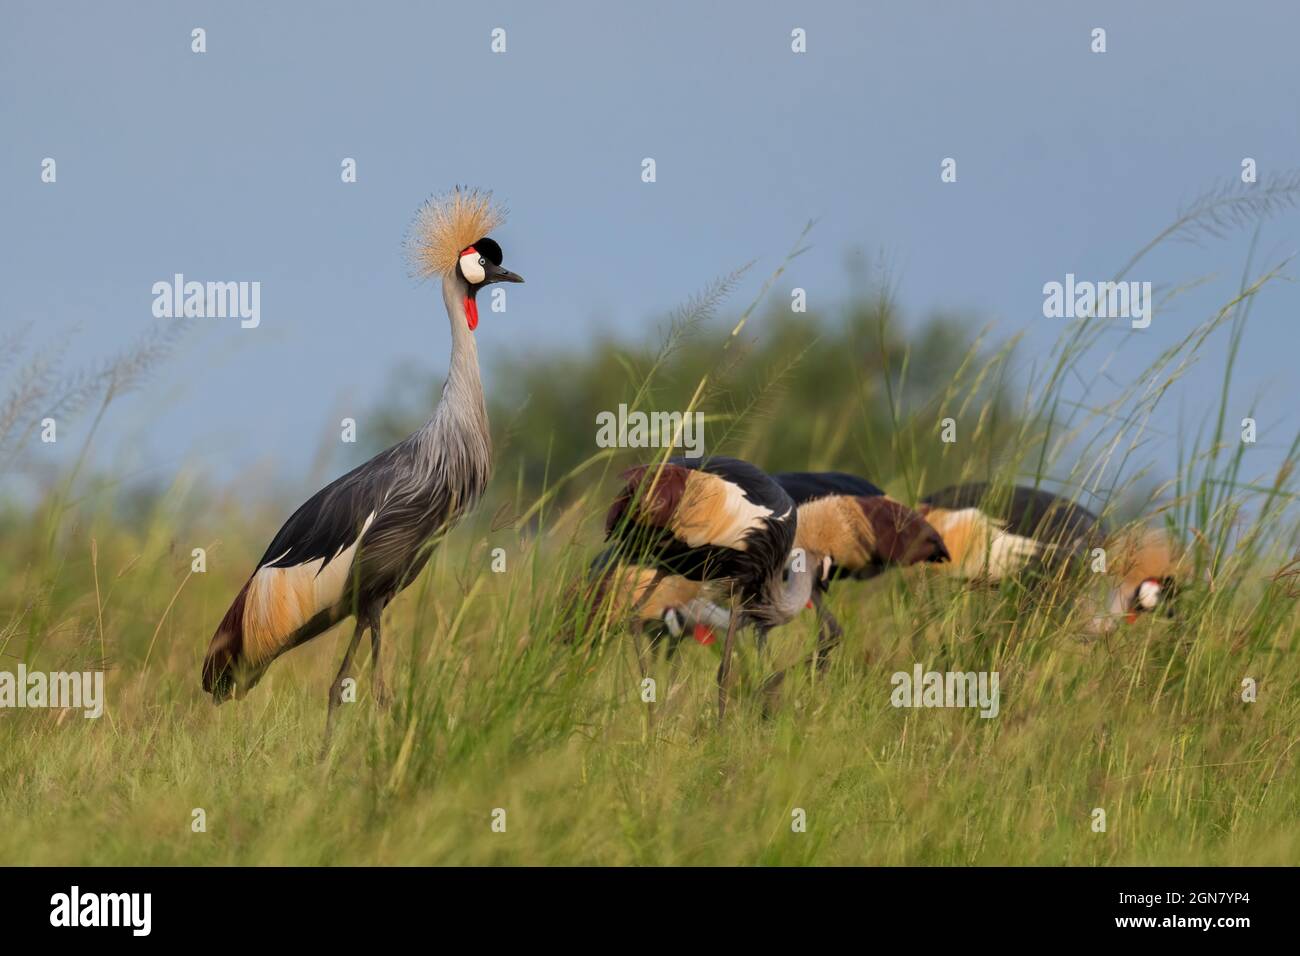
482, 261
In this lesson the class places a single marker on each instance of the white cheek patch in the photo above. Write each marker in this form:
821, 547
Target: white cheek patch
472, 271
674, 622
1148, 595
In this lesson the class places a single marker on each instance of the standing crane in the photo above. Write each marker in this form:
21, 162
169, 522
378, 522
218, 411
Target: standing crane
994, 534
364, 537
716, 520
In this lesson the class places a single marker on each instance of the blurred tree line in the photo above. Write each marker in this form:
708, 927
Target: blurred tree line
845, 389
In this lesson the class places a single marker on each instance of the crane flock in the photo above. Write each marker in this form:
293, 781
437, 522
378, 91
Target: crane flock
698, 544
975, 532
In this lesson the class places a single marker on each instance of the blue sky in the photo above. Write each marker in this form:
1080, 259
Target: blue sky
225, 166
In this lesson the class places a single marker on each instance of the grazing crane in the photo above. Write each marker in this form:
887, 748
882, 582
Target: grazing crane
848, 527
651, 602
668, 605
858, 531
1146, 570
995, 534
364, 537
834, 504
715, 520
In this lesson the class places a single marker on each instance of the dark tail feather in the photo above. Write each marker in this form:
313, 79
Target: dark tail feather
225, 650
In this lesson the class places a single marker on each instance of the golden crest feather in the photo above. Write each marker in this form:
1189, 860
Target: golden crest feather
448, 223
1141, 553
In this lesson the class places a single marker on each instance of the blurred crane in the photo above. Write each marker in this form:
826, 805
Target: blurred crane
997, 533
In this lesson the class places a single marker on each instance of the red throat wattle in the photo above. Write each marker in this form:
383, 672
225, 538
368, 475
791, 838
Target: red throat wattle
471, 312
703, 634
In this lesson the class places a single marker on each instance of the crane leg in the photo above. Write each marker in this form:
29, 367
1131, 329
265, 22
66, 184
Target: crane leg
637, 630
829, 633
674, 664
724, 669
645, 653
378, 686
336, 689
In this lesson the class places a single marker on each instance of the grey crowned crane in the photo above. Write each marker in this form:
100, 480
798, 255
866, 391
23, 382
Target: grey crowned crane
364, 537
996, 533
668, 606
847, 527
650, 601
858, 531
860, 528
714, 520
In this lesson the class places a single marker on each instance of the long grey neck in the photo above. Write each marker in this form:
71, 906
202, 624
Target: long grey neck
464, 388
785, 599
457, 439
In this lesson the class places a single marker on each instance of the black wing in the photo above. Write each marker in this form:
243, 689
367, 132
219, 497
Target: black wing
805, 486
1030, 512
758, 486
330, 520
646, 534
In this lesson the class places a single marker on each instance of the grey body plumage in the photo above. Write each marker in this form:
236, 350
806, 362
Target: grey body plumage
356, 543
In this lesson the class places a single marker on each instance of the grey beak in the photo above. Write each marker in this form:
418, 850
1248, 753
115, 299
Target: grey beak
496, 274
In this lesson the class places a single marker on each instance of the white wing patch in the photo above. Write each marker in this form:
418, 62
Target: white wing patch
281, 600
1008, 553
979, 546
716, 512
